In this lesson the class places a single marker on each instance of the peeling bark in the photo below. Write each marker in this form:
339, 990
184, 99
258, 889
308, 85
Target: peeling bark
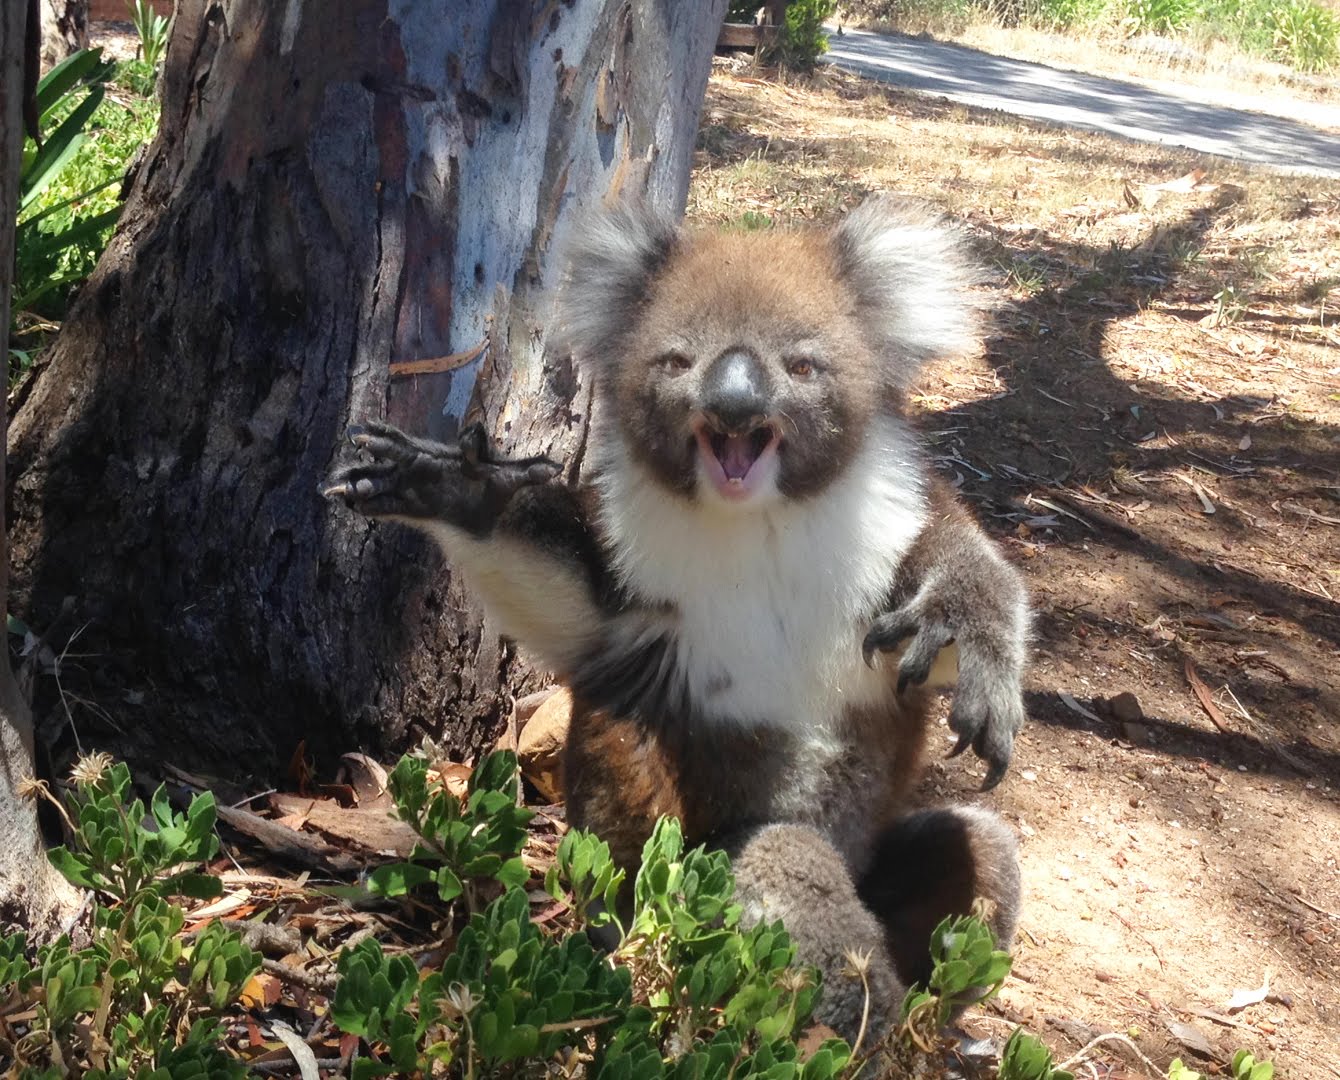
335, 189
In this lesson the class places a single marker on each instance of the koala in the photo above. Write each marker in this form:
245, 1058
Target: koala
761, 579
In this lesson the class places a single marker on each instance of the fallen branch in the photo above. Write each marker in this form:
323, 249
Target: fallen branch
286, 842
318, 984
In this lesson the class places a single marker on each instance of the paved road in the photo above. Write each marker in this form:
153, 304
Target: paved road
1088, 101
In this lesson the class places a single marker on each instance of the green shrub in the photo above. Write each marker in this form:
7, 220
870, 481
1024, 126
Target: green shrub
1305, 34
138, 1001
1025, 1058
152, 29
1158, 16
713, 1000
803, 39
458, 843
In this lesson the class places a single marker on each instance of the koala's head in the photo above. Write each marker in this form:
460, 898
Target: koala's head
742, 367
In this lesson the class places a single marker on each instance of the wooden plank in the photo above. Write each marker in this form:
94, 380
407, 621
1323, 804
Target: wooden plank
745, 36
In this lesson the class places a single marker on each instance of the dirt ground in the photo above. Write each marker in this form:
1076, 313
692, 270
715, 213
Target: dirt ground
1154, 434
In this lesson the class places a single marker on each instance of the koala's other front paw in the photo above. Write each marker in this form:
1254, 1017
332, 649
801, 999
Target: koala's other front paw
988, 708
401, 476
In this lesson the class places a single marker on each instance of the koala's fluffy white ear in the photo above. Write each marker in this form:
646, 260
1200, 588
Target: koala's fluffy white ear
611, 256
910, 273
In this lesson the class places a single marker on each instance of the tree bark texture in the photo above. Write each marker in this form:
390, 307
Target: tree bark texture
64, 29
33, 896
348, 213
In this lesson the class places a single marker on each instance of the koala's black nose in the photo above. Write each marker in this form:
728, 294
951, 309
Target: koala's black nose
736, 392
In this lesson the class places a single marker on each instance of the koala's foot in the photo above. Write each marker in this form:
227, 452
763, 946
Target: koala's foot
987, 647
936, 863
403, 477
791, 872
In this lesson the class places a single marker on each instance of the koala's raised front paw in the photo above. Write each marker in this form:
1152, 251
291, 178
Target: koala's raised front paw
401, 476
988, 708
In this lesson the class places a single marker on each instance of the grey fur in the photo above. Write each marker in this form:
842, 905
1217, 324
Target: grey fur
792, 873
912, 275
736, 698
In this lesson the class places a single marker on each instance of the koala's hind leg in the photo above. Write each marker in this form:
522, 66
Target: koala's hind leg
936, 863
791, 872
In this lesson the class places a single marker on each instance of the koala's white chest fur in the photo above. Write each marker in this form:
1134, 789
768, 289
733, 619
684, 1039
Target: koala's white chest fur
772, 603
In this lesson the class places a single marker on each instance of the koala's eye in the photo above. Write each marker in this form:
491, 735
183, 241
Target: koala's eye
674, 362
800, 367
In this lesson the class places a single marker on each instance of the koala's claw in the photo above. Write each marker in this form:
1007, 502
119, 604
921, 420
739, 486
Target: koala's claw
988, 699
407, 477
890, 630
987, 714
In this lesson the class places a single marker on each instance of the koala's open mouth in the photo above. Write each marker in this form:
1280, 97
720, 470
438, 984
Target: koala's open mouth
736, 463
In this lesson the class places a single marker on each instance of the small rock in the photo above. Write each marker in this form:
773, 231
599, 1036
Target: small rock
1125, 708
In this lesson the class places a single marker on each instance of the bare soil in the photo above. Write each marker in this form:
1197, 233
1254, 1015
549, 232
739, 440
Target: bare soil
1153, 431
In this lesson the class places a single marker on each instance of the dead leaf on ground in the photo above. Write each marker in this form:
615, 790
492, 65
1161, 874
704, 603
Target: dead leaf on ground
1192, 1038
1242, 998
368, 778
455, 777
540, 745
261, 991
372, 828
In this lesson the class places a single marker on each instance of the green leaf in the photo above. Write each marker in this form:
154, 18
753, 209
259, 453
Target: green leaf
75, 868
196, 886
399, 879
66, 75
57, 151
448, 884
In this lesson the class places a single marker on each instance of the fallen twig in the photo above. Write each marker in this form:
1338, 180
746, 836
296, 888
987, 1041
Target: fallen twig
1202, 693
318, 984
1111, 1036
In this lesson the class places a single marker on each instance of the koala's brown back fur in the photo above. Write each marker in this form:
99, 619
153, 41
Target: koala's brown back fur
622, 774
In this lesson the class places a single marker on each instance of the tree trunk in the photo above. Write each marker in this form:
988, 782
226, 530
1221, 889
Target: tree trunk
64, 29
33, 895
348, 213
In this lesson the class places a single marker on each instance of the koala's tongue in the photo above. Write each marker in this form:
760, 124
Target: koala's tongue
737, 454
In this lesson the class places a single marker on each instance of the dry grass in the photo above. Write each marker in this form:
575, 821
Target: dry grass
1051, 208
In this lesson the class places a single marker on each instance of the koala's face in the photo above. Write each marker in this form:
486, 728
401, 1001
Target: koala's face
745, 375
745, 367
